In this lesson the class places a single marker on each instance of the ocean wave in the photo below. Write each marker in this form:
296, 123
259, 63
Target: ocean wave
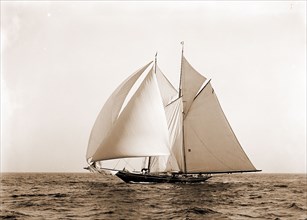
296, 207
5, 214
200, 211
57, 195
249, 216
280, 185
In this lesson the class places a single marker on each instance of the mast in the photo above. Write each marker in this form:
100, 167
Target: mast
180, 94
149, 163
182, 44
155, 69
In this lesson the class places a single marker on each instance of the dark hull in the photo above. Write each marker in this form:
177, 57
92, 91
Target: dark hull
149, 178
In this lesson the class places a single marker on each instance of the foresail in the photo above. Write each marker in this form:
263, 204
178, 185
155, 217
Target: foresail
141, 128
210, 144
191, 81
109, 113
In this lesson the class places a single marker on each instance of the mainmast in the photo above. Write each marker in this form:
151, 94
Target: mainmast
180, 95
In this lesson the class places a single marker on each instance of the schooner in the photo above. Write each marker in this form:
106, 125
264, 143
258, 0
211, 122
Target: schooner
162, 135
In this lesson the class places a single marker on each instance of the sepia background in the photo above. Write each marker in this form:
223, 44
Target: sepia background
61, 60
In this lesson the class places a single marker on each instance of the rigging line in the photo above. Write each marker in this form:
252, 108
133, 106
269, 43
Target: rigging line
128, 164
116, 164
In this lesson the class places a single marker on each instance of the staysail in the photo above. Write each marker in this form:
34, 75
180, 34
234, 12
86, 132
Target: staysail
173, 110
173, 162
174, 119
137, 132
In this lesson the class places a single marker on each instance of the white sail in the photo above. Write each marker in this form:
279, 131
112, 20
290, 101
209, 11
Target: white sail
109, 113
191, 81
210, 144
173, 162
168, 92
141, 128
174, 115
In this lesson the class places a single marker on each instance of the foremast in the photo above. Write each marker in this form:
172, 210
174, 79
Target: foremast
155, 71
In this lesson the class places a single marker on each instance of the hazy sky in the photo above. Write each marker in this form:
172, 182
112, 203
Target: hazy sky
61, 60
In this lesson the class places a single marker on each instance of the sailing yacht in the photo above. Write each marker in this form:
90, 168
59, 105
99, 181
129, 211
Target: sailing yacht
162, 135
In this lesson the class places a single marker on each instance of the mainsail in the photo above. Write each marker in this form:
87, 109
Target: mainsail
209, 142
208, 133
166, 131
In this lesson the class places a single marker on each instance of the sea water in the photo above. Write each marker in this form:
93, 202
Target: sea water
96, 196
